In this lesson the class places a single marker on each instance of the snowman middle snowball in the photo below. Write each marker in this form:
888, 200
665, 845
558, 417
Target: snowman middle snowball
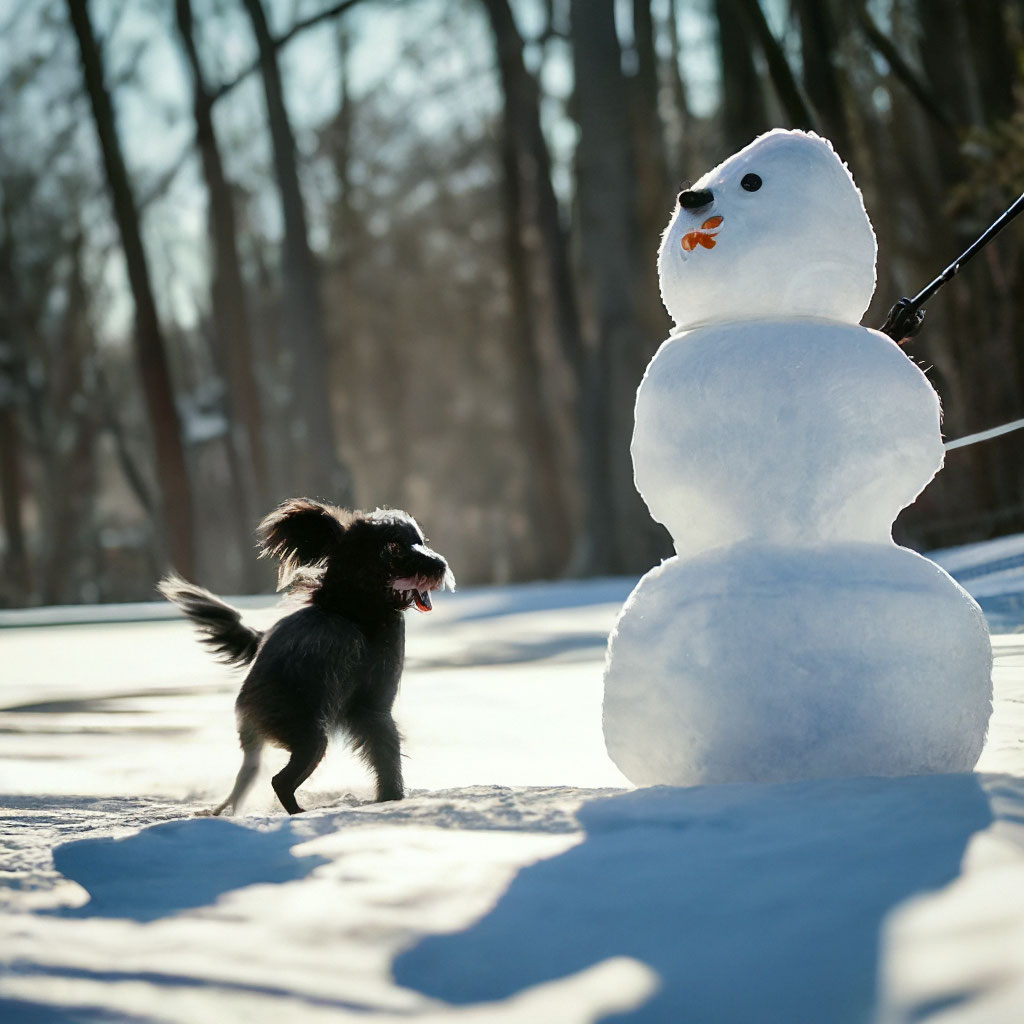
777, 440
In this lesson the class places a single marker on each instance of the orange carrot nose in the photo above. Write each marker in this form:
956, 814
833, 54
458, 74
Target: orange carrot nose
711, 222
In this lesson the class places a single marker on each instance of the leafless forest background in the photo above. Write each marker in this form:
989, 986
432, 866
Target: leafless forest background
403, 253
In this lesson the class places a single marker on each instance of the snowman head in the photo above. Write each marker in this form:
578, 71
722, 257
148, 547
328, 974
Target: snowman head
778, 230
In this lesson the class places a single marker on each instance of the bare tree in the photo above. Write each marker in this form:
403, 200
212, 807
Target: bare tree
539, 437
16, 563
652, 173
68, 491
175, 487
680, 100
12, 446
787, 88
610, 255
743, 111
228, 299
819, 45
316, 453
654, 195
520, 125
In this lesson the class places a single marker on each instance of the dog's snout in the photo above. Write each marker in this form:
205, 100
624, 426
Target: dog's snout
430, 556
695, 198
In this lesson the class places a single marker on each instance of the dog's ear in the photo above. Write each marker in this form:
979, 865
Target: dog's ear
301, 532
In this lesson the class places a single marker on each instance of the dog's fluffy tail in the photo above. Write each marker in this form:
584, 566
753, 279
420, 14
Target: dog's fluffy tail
221, 625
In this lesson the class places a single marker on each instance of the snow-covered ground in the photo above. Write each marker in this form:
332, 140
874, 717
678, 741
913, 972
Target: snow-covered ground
523, 880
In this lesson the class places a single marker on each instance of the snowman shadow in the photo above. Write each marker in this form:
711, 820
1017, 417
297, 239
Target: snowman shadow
750, 902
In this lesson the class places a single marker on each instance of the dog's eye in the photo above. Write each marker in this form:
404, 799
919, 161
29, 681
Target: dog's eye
393, 548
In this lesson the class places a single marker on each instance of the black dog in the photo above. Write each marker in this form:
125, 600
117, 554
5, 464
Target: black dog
336, 662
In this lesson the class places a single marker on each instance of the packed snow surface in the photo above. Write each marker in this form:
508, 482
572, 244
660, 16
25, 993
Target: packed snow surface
777, 441
520, 882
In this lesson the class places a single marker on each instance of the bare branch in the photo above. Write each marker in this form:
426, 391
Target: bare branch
787, 88
901, 69
334, 11
165, 180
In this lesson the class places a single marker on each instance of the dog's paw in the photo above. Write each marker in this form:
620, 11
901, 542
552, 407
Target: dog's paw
211, 812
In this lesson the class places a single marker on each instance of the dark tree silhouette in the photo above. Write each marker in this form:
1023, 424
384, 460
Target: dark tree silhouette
228, 299
743, 112
150, 346
520, 122
316, 461
612, 261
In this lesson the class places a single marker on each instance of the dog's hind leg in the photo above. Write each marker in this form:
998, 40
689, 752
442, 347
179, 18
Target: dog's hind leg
375, 735
252, 747
306, 755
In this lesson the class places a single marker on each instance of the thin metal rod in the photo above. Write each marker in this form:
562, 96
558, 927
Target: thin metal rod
954, 268
906, 316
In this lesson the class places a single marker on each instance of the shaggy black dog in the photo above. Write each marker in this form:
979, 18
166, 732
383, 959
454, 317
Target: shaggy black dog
336, 662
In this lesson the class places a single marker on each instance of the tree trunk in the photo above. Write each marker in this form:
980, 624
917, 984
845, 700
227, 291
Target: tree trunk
819, 43
994, 64
17, 566
175, 488
646, 89
228, 299
744, 114
522, 104
316, 458
69, 477
523, 98
348, 243
794, 105
547, 502
680, 102
655, 197
609, 237
16, 563
130, 469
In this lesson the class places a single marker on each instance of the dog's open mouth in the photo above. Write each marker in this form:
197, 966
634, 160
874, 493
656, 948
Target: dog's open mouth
416, 590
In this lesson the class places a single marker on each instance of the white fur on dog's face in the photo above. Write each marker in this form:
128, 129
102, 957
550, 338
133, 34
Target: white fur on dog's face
801, 245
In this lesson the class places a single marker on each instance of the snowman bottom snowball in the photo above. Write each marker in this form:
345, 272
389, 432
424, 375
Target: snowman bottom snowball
766, 664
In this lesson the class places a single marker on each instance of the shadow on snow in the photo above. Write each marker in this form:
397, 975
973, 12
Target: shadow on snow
751, 902
177, 865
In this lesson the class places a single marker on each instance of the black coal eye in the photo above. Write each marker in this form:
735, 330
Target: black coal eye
751, 182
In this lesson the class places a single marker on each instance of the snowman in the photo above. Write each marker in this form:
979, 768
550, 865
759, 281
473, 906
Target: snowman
777, 440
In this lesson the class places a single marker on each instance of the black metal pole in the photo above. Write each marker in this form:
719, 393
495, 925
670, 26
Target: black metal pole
905, 318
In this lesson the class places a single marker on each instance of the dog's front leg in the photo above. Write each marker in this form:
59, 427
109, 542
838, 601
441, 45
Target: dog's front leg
376, 737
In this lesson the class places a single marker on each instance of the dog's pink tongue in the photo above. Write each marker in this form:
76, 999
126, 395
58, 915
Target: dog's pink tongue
421, 598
